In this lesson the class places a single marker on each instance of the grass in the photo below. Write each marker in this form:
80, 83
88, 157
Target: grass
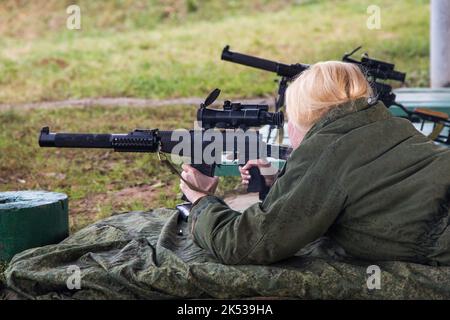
98, 182
159, 49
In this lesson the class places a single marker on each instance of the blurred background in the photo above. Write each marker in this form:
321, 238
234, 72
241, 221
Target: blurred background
164, 49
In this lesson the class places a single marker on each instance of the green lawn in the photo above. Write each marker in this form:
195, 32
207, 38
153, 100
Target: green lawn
145, 51
98, 182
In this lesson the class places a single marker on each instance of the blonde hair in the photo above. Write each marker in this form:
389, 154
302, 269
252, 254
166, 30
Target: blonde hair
321, 87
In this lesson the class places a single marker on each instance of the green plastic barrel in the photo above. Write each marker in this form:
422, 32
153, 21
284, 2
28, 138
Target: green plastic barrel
31, 219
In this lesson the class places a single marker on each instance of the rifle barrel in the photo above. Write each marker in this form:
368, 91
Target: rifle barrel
74, 140
136, 141
281, 69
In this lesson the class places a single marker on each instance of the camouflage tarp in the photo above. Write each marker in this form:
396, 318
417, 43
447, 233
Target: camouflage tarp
141, 255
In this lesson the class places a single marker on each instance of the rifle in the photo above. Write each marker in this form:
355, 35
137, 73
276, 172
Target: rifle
243, 144
375, 71
239, 143
285, 71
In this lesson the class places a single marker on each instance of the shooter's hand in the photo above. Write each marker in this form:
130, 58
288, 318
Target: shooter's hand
199, 180
267, 171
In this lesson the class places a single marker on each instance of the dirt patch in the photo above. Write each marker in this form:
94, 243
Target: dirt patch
56, 61
85, 211
145, 194
143, 197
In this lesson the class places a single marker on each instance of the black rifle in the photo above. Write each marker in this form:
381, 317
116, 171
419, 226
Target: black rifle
375, 70
240, 142
285, 71
154, 141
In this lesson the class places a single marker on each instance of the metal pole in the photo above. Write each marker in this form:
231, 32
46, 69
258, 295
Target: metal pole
440, 43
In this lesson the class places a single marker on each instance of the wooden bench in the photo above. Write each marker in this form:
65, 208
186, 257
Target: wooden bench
435, 99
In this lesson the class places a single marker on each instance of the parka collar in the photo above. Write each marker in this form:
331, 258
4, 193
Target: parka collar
337, 112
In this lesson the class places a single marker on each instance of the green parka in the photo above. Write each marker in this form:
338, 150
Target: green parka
368, 180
